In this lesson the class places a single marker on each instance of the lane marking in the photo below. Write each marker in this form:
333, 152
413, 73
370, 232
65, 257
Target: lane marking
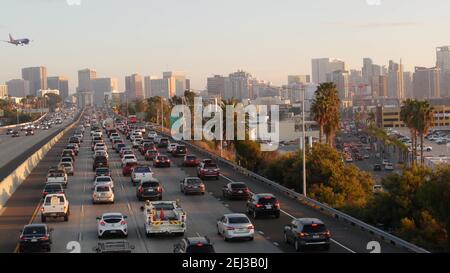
291, 216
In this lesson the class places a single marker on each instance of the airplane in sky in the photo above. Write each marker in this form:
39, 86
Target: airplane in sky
17, 42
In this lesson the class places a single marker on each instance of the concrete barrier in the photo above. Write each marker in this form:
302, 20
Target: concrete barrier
10, 184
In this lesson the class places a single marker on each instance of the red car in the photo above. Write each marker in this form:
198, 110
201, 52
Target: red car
191, 161
161, 161
150, 155
128, 168
208, 169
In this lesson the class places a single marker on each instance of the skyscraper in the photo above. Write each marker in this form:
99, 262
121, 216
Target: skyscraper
408, 82
133, 87
324, 66
218, 86
159, 87
37, 78
3, 90
443, 63
103, 87
84, 79
18, 88
426, 83
341, 80
240, 83
177, 83
61, 84
396, 88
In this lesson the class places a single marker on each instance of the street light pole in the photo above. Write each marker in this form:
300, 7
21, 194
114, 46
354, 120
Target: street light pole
304, 142
162, 115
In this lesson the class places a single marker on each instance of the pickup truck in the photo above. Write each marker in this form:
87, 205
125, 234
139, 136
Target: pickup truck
57, 175
163, 217
141, 174
55, 205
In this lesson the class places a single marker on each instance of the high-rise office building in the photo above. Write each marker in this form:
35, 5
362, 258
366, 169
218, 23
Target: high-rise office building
408, 82
177, 83
396, 88
3, 90
101, 88
84, 79
18, 88
133, 87
299, 79
426, 83
324, 66
443, 63
240, 82
61, 84
159, 87
218, 86
383, 86
341, 80
37, 77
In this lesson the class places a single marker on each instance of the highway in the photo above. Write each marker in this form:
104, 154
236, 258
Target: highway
202, 211
13, 147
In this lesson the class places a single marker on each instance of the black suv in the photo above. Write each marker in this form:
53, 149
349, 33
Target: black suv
100, 161
163, 142
236, 190
304, 232
194, 245
149, 190
35, 237
263, 204
180, 150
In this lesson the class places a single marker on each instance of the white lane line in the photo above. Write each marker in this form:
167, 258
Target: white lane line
82, 210
80, 237
291, 216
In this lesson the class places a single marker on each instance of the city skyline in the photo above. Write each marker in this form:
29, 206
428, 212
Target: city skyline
120, 43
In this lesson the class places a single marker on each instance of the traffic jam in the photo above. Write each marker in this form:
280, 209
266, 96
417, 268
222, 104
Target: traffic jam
142, 151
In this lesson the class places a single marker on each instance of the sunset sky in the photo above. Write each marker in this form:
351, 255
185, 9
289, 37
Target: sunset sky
268, 38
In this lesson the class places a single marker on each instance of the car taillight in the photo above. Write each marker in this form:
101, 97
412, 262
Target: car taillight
250, 227
277, 204
229, 228
123, 223
159, 189
157, 161
102, 223
45, 193
259, 205
328, 234
45, 238
301, 234
141, 190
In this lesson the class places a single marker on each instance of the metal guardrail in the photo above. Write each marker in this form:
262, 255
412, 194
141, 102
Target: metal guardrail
392, 239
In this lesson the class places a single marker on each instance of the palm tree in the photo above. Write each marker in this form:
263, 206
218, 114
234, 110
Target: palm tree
423, 122
371, 119
408, 115
325, 110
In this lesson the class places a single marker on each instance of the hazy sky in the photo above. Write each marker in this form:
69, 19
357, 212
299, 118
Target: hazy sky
268, 38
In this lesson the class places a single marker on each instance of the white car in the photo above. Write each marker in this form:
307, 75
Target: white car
103, 193
68, 167
128, 158
389, 167
54, 206
113, 135
106, 180
126, 152
172, 147
112, 224
152, 134
235, 226
137, 142
100, 153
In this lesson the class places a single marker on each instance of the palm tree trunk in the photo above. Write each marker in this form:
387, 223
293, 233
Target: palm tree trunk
422, 161
321, 133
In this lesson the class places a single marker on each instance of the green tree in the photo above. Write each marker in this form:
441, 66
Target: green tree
423, 122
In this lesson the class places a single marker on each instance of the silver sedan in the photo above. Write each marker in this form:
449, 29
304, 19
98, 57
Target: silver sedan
235, 226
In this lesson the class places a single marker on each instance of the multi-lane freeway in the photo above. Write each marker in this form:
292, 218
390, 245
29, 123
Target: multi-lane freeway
202, 211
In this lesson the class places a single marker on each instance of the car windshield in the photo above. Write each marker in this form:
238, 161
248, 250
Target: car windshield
34, 230
66, 164
101, 171
54, 200
103, 179
112, 219
194, 181
150, 184
53, 187
191, 157
142, 170
314, 228
267, 200
238, 186
200, 248
238, 220
102, 189
210, 165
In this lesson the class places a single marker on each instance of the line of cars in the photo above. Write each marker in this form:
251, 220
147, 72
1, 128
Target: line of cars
45, 124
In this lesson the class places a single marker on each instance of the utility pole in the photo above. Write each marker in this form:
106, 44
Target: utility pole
162, 115
304, 142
